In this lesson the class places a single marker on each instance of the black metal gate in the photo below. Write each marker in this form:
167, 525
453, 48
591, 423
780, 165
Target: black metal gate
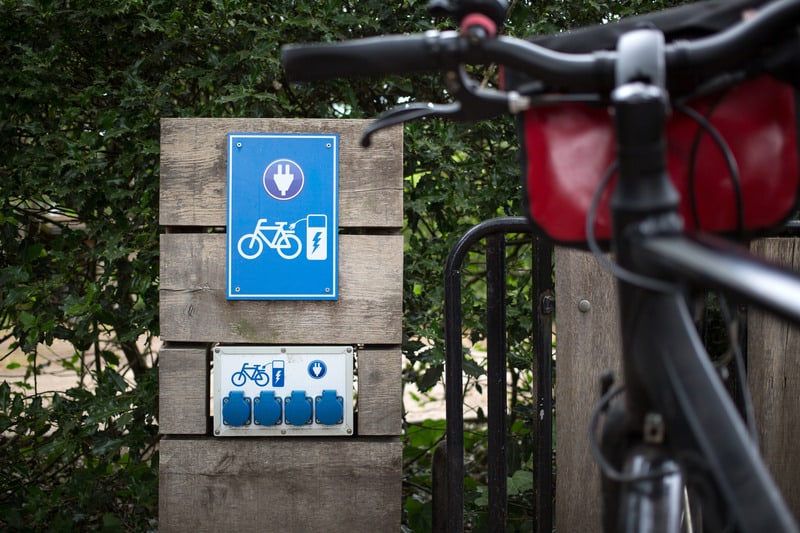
448, 493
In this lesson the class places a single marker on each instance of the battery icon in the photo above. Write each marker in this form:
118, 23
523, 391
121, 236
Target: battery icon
278, 374
317, 237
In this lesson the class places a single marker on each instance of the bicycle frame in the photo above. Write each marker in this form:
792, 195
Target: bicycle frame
668, 376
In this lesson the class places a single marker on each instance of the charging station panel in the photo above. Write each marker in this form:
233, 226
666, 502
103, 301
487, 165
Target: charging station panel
283, 391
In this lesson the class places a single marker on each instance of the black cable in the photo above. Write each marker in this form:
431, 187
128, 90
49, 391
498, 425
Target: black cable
615, 269
698, 136
740, 367
730, 162
608, 470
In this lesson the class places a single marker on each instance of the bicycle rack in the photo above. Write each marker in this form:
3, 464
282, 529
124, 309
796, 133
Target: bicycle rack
448, 497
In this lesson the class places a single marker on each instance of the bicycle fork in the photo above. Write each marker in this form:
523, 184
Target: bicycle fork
643, 486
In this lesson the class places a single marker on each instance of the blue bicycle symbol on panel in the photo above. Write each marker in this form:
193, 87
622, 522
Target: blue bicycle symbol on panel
257, 373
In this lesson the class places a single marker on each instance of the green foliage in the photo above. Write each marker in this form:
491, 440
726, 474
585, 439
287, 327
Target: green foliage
79, 460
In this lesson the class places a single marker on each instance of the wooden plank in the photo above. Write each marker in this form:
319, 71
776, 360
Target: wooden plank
587, 343
194, 309
773, 352
280, 485
184, 395
194, 169
380, 395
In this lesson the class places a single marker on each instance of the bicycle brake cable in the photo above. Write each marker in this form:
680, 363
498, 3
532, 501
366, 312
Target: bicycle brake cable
608, 470
621, 273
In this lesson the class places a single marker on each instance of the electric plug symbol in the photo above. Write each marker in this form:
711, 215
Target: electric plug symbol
283, 178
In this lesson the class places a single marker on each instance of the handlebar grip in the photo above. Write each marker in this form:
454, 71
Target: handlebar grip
384, 55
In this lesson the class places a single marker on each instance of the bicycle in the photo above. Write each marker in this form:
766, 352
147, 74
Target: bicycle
284, 240
670, 441
257, 373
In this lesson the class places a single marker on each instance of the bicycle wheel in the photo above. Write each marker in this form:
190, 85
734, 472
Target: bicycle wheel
251, 249
261, 379
289, 246
238, 378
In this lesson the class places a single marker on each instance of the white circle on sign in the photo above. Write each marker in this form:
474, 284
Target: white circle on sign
283, 179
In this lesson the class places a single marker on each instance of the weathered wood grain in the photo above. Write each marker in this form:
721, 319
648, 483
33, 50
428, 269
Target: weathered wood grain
380, 395
194, 169
587, 343
184, 393
280, 485
193, 307
773, 355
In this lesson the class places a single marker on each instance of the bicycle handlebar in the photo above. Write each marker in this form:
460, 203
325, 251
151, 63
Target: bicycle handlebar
438, 51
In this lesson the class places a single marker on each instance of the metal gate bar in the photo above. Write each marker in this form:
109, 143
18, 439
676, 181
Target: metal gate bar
494, 231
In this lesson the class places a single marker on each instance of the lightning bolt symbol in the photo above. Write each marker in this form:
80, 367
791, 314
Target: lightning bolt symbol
278, 375
317, 238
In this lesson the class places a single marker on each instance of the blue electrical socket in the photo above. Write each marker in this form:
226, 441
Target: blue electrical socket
298, 408
267, 409
236, 409
329, 408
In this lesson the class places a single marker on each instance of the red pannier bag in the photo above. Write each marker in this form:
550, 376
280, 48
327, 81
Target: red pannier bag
568, 148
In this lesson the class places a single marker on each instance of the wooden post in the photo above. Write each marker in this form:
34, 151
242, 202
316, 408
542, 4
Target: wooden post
277, 483
587, 342
773, 357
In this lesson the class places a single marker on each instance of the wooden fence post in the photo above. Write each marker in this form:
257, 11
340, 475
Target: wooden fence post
277, 483
587, 342
773, 360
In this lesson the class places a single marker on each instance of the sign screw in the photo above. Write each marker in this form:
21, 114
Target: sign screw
238, 145
328, 145
238, 289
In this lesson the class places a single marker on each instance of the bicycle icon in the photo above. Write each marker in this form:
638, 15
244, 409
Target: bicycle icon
284, 240
257, 373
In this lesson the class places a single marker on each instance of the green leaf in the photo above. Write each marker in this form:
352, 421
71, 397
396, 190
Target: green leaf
521, 481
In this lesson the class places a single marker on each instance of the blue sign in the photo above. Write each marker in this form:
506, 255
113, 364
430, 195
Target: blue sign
282, 216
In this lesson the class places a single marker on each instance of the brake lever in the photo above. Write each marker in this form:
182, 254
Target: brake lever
472, 103
406, 113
